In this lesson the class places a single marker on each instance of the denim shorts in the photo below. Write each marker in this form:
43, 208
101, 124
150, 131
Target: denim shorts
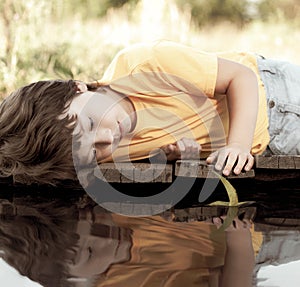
282, 85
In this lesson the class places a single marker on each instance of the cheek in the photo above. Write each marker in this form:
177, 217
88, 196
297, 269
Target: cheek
104, 152
108, 120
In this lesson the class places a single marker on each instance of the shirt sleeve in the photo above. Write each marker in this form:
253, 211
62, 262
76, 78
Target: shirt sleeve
163, 64
192, 68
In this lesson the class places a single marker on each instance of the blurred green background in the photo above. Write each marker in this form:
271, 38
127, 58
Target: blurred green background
49, 39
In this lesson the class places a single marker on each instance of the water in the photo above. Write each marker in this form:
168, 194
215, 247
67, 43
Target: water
60, 237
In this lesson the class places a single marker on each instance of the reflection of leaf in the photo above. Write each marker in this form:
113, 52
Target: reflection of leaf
233, 202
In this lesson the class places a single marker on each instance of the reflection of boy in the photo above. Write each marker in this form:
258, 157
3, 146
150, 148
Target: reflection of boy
38, 239
170, 254
219, 98
101, 244
58, 244
190, 253
239, 257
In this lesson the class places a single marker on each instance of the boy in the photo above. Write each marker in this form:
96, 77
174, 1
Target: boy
154, 97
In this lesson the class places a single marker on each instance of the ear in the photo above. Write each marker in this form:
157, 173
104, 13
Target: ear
81, 87
93, 85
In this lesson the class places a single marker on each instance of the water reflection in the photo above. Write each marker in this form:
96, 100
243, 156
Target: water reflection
73, 242
38, 239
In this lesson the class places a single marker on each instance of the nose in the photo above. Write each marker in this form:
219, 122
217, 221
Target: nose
104, 137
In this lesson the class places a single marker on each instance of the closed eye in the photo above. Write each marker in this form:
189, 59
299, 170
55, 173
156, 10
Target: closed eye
91, 123
90, 251
94, 154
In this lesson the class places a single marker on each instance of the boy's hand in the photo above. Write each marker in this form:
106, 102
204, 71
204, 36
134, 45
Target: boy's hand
185, 148
231, 157
237, 233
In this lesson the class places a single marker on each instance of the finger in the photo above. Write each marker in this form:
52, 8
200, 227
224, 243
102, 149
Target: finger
196, 148
212, 157
165, 149
171, 148
188, 146
242, 159
231, 160
184, 147
192, 148
231, 225
168, 149
250, 163
181, 146
217, 221
242, 224
195, 151
221, 159
171, 151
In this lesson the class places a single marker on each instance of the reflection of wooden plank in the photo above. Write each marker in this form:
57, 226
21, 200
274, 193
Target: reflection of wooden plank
276, 174
134, 172
192, 168
138, 209
207, 212
267, 224
278, 162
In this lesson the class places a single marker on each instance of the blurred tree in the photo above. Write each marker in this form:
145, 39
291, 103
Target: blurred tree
87, 8
240, 12
14, 15
214, 11
29, 50
288, 10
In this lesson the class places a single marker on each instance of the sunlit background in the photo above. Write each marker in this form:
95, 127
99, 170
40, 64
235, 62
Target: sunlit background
46, 39
49, 39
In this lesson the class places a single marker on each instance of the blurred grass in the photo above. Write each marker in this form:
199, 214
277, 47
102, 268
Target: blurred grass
39, 44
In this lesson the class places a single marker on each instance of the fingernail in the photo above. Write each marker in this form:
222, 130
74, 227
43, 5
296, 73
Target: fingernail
226, 172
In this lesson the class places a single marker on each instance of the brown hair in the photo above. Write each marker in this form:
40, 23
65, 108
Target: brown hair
35, 139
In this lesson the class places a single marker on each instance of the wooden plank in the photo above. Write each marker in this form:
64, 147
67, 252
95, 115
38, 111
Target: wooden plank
278, 161
134, 172
274, 167
109, 173
200, 169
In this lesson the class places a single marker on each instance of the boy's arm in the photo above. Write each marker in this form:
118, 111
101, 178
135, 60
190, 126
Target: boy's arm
239, 258
240, 85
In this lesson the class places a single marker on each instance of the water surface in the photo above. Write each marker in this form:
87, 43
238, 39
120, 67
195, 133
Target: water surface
61, 237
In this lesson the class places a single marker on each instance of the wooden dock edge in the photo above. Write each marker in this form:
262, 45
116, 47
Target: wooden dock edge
266, 168
275, 167
277, 162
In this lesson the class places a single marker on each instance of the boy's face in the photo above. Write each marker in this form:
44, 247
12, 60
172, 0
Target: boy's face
102, 121
95, 254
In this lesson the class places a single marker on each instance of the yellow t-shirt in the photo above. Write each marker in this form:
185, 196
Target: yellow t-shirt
177, 254
172, 88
